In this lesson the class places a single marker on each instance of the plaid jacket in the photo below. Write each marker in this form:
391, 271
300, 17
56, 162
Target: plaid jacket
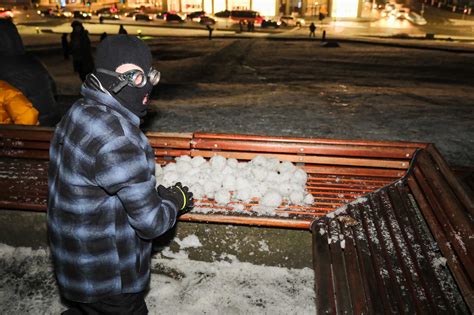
103, 209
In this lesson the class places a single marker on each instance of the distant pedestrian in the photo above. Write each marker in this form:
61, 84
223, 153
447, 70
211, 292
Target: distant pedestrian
241, 26
101, 19
65, 46
312, 30
103, 36
210, 30
249, 26
122, 30
81, 50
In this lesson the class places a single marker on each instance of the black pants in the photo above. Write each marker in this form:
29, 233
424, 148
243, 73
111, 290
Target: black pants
122, 304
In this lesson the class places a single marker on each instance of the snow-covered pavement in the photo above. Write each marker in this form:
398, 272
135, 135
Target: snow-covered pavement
178, 285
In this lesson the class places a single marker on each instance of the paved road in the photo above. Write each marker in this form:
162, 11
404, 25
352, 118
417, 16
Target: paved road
440, 22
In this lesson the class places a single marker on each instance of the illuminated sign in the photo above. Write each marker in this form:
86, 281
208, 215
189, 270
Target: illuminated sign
345, 8
264, 7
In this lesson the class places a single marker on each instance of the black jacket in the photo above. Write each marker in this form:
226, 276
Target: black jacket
28, 74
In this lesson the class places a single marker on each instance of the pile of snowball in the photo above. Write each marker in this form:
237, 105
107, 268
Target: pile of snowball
224, 180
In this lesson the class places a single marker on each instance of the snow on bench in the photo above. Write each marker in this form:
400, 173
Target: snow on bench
339, 171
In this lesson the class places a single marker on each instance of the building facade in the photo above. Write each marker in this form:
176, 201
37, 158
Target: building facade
267, 8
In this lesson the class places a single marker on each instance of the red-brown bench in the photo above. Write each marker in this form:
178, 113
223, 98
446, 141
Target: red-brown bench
414, 204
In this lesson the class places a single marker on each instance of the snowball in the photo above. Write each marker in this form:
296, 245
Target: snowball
170, 167
233, 163
227, 170
197, 190
259, 160
260, 173
222, 196
299, 177
296, 197
308, 199
183, 167
183, 158
260, 189
241, 183
271, 199
170, 178
218, 162
198, 161
229, 182
158, 170
285, 189
285, 167
272, 176
273, 163
284, 177
210, 188
244, 194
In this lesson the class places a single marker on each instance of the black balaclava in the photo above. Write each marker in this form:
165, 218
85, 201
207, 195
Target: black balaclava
115, 51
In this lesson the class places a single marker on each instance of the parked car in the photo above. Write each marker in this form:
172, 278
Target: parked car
289, 20
195, 15
6, 13
82, 15
109, 16
131, 14
400, 13
142, 17
206, 20
103, 10
172, 17
270, 23
66, 13
416, 18
238, 16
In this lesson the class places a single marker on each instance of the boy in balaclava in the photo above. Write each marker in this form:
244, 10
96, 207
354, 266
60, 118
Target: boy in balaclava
103, 209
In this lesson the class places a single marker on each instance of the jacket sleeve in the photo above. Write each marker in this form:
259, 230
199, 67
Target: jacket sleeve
121, 168
17, 106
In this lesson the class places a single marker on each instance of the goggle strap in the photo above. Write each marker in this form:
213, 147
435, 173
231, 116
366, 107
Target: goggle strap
119, 86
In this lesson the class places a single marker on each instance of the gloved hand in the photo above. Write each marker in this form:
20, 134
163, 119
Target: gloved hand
179, 195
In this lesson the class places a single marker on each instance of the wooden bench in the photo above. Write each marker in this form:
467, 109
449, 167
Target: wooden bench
409, 205
339, 170
393, 242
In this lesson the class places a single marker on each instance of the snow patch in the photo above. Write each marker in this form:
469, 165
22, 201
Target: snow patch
190, 241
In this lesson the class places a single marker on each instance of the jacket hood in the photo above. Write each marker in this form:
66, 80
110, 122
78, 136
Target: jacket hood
11, 43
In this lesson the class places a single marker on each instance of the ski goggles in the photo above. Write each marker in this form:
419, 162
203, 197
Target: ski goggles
134, 78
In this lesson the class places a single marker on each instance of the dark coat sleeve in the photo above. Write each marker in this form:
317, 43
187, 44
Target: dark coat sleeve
121, 169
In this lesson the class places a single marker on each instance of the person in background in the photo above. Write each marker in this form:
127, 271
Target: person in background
103, 36
15, 108
65, 46
210, 30
103, 209
312, 30
122, 30
80, 44
27, 74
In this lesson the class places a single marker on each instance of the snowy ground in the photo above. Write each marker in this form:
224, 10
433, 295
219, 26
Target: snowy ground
299, 88
178, 285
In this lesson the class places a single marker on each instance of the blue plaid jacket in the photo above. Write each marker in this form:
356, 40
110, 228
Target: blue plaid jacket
103, 209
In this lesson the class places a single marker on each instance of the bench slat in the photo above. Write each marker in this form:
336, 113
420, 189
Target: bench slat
298, 148
309, 140
308, 159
